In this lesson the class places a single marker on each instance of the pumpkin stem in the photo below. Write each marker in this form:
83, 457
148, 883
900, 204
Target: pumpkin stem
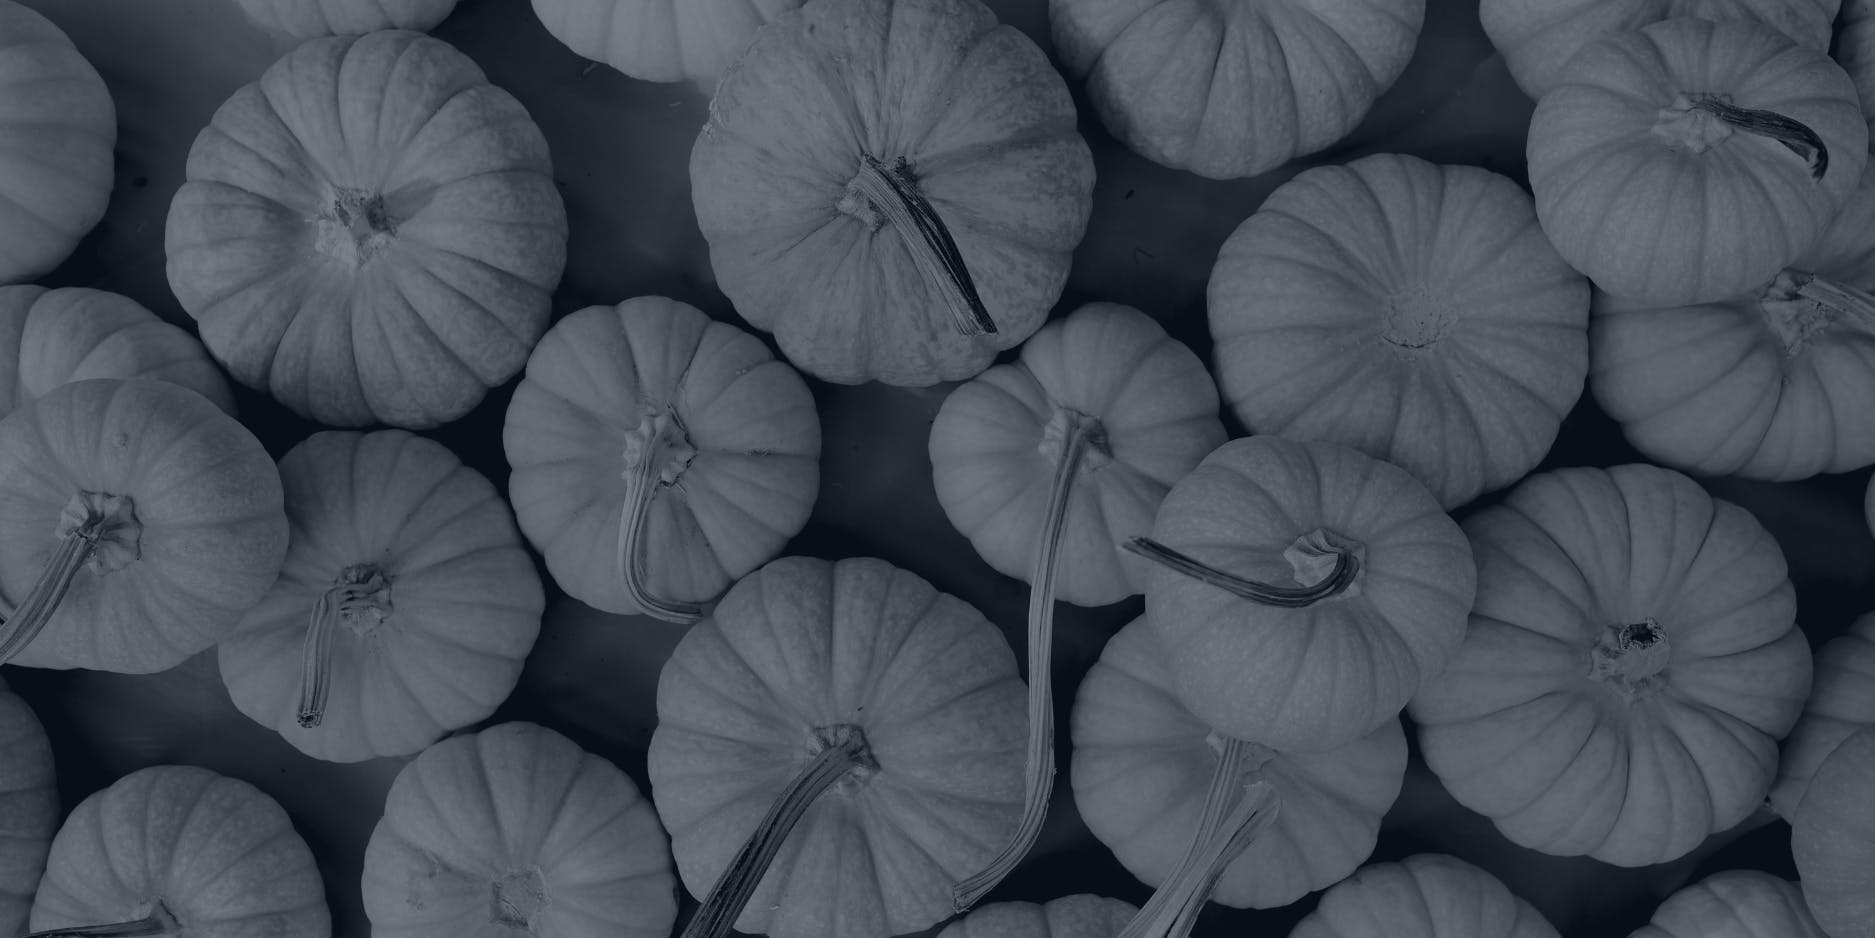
656, 455
892, 191
89, 522
359, 592
159, 922
1798, 305
845, 753
1795, 136
1319, 546
1629, 657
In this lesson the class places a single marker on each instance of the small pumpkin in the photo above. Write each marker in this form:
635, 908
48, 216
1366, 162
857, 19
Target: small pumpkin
1833, 839
1689, 161
1079, 916
57, 134
370, 232
660, 40
1234, 89
1303, 592
403, 611
853, 727
1734, 904
1855, 50
137, 523
1426, 895
1841, 701
311, 19
74, 333
658, 456
1412, 311
29, 809
1632, 661
894, 188
180, 850
560, 838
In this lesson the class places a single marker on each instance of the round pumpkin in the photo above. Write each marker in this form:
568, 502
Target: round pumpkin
1428, 894
29, 809
658, 456
386, 258
1855, 50
559, 838
137, 524
1080, 916
893, 188
849, 724
311, 19
1142, 763
58, 129
1538, 37
1234, 89
1734, 904
404, 609
1841, 701
74, 333
1833, 839
660, 40
1303, 592
1412, 311
1689, 161
1632, 661
204, 855
1766, 384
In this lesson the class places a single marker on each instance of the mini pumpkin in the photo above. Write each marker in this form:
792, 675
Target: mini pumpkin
660, 40
29, 809
1412, 311
1841, 701
403, 611
1427, 895
311, 19
1689, 161
559, 838
1080, 916
1734, 904
1234, 89
137, 523
853, 727
1855, 50
658, 456
181, 850
370, 232
1632, 661
1833, 839
57, 134
74, 333
1303, 592
892, 187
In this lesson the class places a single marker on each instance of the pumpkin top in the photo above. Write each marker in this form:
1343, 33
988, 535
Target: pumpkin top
74, 333
1423, 896
660, 40
1734, 904
1079, 916
1833, 839
29, 809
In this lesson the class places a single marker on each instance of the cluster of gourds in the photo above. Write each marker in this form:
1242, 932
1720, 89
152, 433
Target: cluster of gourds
1604, 663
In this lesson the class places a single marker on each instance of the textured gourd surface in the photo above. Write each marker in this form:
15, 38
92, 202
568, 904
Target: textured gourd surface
29, 808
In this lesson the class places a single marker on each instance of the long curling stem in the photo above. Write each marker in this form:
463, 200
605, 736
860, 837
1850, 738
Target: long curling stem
55, 580
158, 922
632, 564
1794, 135
315, 675
894, 192
1288, 597
1238, 807
1850, 301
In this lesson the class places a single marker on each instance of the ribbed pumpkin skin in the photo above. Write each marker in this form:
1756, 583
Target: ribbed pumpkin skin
1628, 208
1841, 701
1734, 904
596, 377
1538, 37
1080, 916
802, 644
660, 40
347, 309
1323, 676
217, 852
214, 531
997, 440
1412, 311
1833, 840
1630, 771
1424, 896
1142, 764
74, 333
29, 809
1855, 50
461, 612
58, 127
982, 120
311, 19
1235, 88
561, 837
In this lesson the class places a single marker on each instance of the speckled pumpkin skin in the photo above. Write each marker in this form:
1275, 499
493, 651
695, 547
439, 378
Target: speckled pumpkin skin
1734, 904
311, 19
75, 333
1424, 896
660, 40
29, 809
1841, 701
1081, 916
1833, 839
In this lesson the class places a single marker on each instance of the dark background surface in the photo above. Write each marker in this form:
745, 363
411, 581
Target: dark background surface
620, 149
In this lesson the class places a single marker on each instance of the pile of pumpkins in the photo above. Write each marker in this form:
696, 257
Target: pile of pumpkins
1604, 662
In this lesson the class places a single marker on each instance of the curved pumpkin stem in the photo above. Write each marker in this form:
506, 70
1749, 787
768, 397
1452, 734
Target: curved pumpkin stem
1795, 136
88, 520
651, 468
159, 922
1346, 568
892, 191
358, 585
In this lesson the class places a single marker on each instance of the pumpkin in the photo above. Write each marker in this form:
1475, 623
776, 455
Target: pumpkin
1412, 311
57, 133
560, 838
1080, 916
850, 725
1689, 161
1855, 50
1426, 895
404, 609
658, 456
180, 850
1142, 763
659, 40
370, 232
1833, 839
137, 523
1841, 701
74, 333
29, 809
1233, 89
1734, 904
1302, 591
1538, 37
1632, 661
1047, 463
1765, 384
301, 19
892, 187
